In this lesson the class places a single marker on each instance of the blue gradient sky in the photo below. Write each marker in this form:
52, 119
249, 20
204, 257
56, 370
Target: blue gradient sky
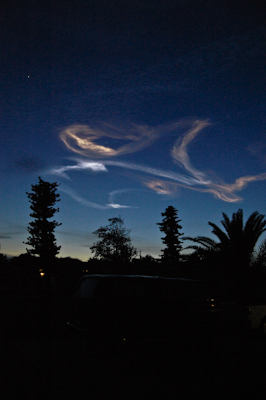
131, 106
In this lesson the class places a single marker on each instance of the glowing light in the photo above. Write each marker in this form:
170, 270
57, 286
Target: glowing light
161, 187
117, 206
82, 139
41, 272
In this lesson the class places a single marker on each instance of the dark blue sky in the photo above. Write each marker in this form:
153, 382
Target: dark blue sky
131, 106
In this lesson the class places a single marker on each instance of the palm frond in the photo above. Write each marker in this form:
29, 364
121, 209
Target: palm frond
224, 239
254, 227
259, 256
204, 241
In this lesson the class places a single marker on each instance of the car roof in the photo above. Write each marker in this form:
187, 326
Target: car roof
152, 277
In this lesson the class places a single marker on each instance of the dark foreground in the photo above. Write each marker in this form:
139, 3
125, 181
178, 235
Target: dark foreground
40, 360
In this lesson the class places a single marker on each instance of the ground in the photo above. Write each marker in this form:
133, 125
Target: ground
41, 360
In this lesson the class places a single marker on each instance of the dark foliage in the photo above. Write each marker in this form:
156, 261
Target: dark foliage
231, 258
171, 227
114, 244
43, 197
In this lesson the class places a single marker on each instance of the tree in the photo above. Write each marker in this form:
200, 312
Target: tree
258, 258
234, 252
43, 198
171, 227
115, 243
237, 244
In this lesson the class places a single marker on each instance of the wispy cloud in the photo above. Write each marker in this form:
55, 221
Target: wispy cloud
161, 187
72, 193
81, 165
9, 229
81, 139
180, 154
5, 236
114, 193
80, 199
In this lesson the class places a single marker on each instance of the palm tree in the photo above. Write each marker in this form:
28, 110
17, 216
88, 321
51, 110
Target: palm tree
234, 252
259, 256
238, 242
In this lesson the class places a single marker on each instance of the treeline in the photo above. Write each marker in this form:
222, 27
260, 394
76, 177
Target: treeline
231, 264
25, 272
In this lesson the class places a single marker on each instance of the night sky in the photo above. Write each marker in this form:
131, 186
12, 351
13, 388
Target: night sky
131, 106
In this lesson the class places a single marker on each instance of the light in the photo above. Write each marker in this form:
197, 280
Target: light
41, 272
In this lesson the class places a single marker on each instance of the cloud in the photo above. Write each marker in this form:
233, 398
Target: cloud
113, 205
84, 235
5, 236
161, 187
81, 165
87, 203
222, 191
80, 199
81, 139
114, 193
9, 229
180, 154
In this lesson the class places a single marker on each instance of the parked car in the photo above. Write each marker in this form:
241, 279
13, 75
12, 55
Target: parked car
128, 308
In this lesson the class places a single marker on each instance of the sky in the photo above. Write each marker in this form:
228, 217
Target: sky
131, 106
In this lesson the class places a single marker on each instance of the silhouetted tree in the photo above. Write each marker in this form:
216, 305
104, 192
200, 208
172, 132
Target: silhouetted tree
43, 197
115, 243
237, 243
258, 258
171, 227
235, 248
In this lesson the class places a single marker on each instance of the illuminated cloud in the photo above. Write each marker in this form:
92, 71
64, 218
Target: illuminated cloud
161, 187
81, 139
112, 205
80, 199
226, 192
81, 165
179, 151
87, 165
87, 203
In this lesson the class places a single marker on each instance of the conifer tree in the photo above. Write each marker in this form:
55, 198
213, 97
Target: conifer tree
171, 227
43, 198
